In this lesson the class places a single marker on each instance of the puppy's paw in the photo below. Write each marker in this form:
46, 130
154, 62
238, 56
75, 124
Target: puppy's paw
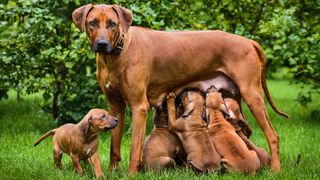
171, 96
100, 177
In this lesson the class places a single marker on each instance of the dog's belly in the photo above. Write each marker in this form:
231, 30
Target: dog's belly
157, 94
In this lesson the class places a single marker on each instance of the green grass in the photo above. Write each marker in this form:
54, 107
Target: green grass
22, 123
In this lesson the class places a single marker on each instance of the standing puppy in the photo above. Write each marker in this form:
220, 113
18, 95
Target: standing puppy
80, 141
163, 148
234, 152
243, 130
192, 131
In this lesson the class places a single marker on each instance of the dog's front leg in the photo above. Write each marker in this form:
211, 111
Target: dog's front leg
117, 109
96, 165
139, 119
174, 123
76, 164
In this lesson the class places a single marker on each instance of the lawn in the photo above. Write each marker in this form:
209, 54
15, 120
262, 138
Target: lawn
22, 123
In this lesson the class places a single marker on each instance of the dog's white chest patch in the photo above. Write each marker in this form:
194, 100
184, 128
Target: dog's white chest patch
88, 152
108, 85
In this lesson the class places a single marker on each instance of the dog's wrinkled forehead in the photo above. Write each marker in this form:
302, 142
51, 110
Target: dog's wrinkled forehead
102, 13
215, 96
190, 95
99, 115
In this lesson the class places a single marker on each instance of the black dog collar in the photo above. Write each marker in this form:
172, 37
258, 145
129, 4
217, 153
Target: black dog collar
119, 46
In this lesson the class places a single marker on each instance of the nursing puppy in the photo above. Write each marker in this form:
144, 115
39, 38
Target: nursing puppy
192, 131
163, 148
243, 129
80, 141
234, 152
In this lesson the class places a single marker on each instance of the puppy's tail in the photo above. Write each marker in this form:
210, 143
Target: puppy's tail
47, 134
262, 58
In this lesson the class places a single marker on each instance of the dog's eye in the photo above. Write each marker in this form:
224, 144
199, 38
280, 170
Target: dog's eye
103, 116
93, 23
111, 24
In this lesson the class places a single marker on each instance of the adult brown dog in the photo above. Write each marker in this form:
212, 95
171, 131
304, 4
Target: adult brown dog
163, 148
138, 65
80, 141
235, 154
192, 131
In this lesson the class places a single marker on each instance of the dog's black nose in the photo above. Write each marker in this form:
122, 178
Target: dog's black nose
114, 123
102, 43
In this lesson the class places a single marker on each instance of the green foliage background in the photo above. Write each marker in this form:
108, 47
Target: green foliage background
42, 51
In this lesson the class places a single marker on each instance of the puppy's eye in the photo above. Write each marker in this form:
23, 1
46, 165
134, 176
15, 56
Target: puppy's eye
93, 23
103, 117
111, 24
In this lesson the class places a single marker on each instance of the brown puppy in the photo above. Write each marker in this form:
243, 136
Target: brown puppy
243, 130
80, 141
137, 65
228, 89
236, 118
163, 148
192, 131
234, 152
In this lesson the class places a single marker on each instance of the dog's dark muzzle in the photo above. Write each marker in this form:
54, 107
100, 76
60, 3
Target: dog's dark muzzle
102, 46
113, 124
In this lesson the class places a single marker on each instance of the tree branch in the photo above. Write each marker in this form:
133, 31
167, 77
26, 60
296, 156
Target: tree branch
257, 20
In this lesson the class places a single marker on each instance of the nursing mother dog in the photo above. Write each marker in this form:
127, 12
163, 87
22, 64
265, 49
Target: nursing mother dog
140, 66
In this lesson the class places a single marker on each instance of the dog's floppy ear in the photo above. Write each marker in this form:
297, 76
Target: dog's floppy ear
85, 124
204, 113
90, 121
79, 16
188, 110
125, 17
207, 116
224, 110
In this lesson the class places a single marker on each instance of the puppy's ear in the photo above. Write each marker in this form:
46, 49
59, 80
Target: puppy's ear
231, 114
84, 123
90, 121
79, 16
188, 110
206, 115
125, 17
224, 110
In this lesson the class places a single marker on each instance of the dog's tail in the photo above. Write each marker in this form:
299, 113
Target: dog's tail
47, 134
262, 58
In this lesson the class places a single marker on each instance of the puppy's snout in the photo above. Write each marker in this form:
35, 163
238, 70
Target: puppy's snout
114, 122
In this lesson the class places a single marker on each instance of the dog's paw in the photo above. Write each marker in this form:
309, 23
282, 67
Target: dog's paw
171, 95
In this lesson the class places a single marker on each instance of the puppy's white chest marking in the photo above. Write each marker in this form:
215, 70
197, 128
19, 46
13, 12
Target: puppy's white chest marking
88, 152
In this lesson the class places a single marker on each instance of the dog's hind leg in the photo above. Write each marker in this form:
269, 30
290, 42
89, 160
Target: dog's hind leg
256, 105
250, 84
262, 154
57, 156
166, 162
